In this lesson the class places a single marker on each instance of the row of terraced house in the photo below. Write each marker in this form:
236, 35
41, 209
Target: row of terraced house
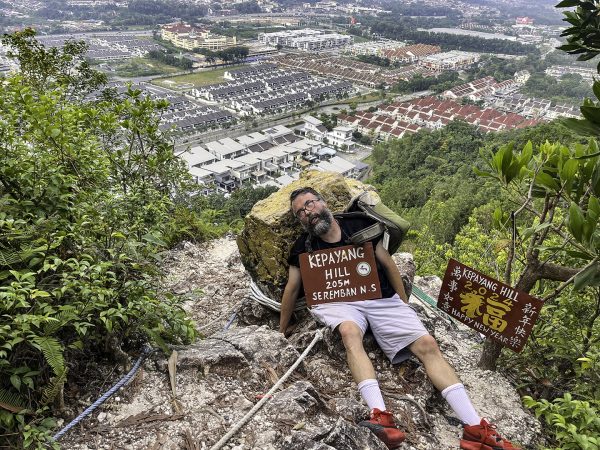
181, 115
265, 89
397, 119
347, 69
274, 157
504, 96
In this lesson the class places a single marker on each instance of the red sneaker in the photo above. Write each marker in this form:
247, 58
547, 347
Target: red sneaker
383, 426
484, 437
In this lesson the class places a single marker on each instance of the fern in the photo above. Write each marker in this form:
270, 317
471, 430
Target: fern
8, 258
67, 314
54, 387
11, 401
52, 350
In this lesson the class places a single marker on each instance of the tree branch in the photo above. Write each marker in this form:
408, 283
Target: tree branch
566, 283
556, 272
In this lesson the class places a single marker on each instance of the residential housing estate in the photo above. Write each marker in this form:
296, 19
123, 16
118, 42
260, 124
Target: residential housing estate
107, 46
275, 156
265, 89
347, 69
306, 39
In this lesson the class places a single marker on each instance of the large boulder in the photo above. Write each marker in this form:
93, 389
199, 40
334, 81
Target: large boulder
270, 229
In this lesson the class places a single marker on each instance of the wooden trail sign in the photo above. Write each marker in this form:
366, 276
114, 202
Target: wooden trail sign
340, 274
488, 305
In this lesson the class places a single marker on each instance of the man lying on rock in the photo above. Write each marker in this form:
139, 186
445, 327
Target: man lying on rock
393, 323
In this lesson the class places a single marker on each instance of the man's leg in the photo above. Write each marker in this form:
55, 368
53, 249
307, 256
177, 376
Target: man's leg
358, 360
360, 365
381, 422
444, 378
438, 370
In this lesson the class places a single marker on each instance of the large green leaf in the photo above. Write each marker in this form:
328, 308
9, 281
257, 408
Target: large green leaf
569, 170
590, 156
528, 232
567, 4
588, 277
513, 171
596, 88
593, 207
526, 154
587, 56
482, 173
582, 126
596, 179
591, 113
507, 158
576, 220
546, 180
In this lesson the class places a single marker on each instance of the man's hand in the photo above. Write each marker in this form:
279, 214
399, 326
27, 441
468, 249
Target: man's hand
288, 301
289, 330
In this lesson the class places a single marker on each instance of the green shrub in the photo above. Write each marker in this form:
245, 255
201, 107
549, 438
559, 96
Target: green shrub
189, 225
85, 196
574, 423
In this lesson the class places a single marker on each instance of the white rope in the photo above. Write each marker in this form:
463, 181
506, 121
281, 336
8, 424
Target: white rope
262, 401
257, 295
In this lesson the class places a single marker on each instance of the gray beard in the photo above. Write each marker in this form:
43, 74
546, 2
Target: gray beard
323, 225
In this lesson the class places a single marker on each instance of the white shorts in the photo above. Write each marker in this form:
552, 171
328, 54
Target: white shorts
394, 324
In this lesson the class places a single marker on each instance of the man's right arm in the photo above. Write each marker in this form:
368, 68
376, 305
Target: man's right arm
290, 294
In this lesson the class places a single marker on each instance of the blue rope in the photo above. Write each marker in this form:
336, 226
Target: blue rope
145, 353
230, 321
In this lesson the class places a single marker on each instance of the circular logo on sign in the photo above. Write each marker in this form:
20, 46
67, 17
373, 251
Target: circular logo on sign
363, 268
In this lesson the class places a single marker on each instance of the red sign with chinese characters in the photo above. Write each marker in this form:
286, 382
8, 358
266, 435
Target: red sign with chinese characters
493, 308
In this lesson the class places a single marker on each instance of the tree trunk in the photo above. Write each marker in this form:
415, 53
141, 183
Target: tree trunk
492, 348
490, 354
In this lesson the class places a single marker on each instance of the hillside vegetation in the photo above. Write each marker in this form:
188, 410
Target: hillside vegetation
91, 194
522, 207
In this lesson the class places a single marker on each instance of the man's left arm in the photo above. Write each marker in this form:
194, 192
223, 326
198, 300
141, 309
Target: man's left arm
391, 270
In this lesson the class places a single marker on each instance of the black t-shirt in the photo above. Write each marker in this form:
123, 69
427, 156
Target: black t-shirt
349, 227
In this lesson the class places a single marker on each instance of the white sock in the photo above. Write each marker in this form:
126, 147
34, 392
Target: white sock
459, 401
371, 394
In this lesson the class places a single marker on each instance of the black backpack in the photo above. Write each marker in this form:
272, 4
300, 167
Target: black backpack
385, 222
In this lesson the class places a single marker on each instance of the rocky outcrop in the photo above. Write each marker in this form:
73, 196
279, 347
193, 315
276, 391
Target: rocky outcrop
270, 229
220, 378
239, 353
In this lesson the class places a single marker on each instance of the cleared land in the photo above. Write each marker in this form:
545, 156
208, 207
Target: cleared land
197, 79
360, 39
140, 67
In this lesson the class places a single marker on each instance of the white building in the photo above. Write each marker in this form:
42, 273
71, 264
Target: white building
452, 60
314, 128
340, 137
306, 39
522, 76
338, 165
198, 157
225, 148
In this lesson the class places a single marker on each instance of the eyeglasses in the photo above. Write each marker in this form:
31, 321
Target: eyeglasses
309, 205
